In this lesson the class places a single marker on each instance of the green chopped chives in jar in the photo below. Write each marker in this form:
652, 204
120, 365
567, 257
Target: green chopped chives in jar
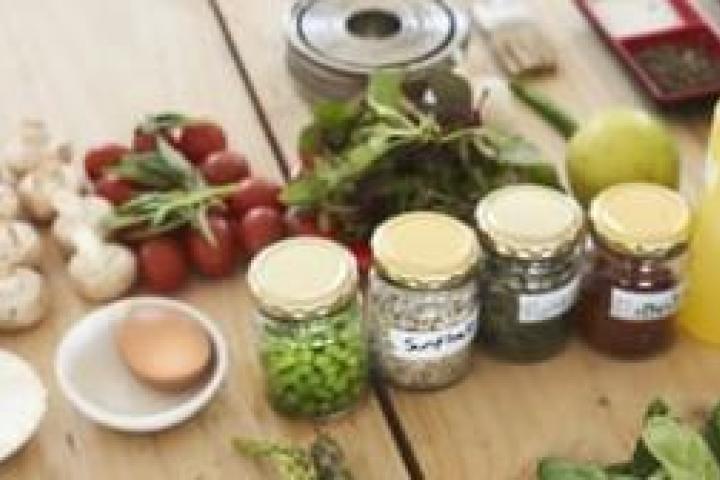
313, 347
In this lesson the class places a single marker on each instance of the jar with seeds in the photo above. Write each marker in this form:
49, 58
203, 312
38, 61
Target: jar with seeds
423, 304
535, 238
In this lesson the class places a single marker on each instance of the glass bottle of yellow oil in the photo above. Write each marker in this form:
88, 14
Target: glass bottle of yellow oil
701, 313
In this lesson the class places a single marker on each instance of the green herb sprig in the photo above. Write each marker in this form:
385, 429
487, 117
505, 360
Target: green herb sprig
180, 197
324, 460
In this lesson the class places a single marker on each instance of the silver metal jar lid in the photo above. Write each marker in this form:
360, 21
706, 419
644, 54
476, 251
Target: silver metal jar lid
333, 45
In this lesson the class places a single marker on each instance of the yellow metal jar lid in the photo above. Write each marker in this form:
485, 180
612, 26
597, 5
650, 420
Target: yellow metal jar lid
302, 277
529, 222
425, 249
641, 219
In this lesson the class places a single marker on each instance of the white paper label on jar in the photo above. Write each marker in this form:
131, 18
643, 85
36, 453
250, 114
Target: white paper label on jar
539, 307
644, 306
433, 345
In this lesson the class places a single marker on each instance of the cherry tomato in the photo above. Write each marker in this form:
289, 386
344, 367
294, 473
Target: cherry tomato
143, 142
363, 255
299, 222
213, 260
162, 264
198, 140
260, 227
224, 167
255, 192
114, 188
98, 159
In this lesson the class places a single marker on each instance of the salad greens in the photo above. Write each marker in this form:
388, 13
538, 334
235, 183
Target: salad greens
666, 450
407, 145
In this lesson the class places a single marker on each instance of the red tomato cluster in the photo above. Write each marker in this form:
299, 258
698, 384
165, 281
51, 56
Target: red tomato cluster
253, 218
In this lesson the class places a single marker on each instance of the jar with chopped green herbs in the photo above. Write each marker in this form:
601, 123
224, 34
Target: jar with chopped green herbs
313, 347
531, 283
423, 304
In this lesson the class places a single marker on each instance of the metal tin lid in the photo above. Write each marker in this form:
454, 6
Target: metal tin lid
529, 221
425, 250
346, 40
302, 277
641, 219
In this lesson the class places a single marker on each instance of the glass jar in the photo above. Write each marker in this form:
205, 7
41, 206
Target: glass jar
313, 347
423, 299
534, 235
635, 283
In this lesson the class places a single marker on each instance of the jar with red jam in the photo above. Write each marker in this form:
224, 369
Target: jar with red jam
635, 279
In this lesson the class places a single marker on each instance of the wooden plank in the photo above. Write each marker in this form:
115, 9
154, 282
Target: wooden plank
91, 68
504, 417
497, 423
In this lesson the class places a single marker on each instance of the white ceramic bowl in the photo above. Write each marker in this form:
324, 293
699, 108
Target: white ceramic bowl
94, 378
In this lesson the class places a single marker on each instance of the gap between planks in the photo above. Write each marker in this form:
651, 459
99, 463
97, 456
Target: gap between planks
399, 435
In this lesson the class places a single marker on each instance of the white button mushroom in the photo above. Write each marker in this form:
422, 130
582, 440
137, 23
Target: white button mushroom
9, 202
101, 271
7, 177
20, 244
29, 148
76, 212
38, 188
23, 298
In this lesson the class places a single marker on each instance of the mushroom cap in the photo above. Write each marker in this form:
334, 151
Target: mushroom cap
20, 244
23, 298
103, 271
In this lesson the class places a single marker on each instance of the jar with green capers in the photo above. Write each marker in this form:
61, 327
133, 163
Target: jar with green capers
313, 347
530, 286
423, 302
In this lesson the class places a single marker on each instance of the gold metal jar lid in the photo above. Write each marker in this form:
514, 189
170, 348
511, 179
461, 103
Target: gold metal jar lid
641, 219
425, 250
529, 222
303, 277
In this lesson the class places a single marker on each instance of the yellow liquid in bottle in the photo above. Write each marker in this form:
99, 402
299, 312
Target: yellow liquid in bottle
700, 314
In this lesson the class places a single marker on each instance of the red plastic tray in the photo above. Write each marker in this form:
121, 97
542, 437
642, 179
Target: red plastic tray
694, 29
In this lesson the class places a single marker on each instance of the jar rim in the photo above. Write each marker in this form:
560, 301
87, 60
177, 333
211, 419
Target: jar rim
641, 219
425, 250
302, 277
529, 222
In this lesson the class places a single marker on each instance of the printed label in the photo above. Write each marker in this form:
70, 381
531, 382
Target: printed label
544, 306
433, 345
644, 306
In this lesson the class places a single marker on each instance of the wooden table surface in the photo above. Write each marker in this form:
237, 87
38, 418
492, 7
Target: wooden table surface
92, 68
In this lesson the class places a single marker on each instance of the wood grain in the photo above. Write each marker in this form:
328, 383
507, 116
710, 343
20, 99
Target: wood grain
91, 68
500, 420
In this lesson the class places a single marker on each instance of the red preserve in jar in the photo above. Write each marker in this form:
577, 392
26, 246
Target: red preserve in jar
635, 281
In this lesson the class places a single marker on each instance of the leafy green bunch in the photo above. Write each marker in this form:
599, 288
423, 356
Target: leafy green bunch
666, 450
407, 145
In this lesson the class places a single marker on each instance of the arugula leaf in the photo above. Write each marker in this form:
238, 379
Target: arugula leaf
681, 451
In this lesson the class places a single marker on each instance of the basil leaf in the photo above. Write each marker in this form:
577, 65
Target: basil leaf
681, 451
556, 469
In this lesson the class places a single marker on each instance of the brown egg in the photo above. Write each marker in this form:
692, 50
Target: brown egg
164, 347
